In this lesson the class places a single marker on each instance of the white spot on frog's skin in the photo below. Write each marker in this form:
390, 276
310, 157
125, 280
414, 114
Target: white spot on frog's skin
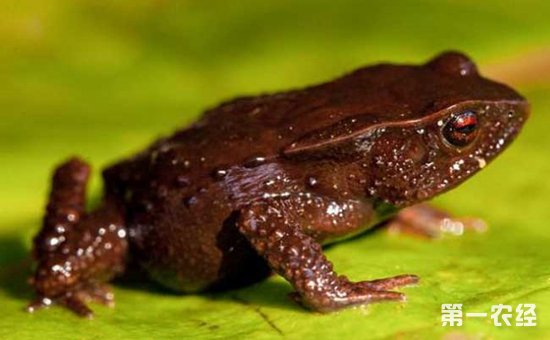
219, 173
364, 146
481, 161
420, 131
457, 165
121, 233
71, 217
439, 123
311, 181
60, 269
269, 182
54, 241
255, 111
283, 194
333, 209
254, 161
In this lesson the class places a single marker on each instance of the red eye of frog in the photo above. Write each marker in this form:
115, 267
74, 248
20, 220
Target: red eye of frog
461, 130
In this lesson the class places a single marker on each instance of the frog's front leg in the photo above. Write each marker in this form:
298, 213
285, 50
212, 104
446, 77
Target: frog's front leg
277, 230
77, 252
428, 221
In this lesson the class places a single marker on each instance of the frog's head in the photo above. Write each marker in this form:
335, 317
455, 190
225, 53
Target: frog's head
442, 122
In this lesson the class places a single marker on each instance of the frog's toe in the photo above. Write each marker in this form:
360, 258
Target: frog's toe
38, 303
390, 282
76, 300
70, 301
350, 294
78, 305
377, 295
99, 293
354, 295
429, 222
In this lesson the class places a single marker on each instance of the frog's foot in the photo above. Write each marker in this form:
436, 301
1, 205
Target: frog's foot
77, 251
349, 293
77, 300
427, 221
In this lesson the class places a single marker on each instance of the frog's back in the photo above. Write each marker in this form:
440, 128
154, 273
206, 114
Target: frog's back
265, 125
242, 129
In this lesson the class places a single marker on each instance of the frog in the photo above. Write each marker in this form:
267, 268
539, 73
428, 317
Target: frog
258, 185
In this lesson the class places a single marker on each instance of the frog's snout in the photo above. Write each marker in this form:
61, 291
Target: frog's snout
523, 108
515, 116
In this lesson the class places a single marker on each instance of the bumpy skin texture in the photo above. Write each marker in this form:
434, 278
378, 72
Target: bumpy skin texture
77, 252
258, 184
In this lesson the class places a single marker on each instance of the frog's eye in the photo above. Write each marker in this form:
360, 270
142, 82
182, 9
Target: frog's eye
461, 130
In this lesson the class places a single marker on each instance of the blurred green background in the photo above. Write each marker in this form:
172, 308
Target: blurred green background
102, 79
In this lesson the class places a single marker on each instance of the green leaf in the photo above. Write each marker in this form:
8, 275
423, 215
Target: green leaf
103, 79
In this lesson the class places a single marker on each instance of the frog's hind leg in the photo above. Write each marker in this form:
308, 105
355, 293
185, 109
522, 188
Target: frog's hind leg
76, 252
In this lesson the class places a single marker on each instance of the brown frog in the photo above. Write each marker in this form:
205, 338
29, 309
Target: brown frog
258, 184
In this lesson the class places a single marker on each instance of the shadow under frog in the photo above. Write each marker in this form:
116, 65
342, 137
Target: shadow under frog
259, 184
14, 266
